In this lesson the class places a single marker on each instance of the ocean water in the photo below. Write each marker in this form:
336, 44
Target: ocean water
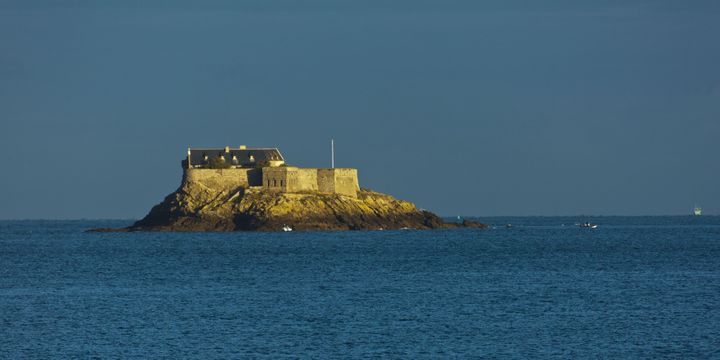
636, 287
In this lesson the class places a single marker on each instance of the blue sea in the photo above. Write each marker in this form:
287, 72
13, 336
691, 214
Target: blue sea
635, 287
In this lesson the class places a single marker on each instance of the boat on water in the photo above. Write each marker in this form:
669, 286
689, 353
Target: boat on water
287, 228
588, 225
697, 211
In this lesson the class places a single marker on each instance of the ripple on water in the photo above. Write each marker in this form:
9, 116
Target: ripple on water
635, 287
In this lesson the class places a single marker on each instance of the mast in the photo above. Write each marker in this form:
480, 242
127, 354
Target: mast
332, 153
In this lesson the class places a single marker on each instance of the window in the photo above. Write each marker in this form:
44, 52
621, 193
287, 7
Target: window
282, 182
274, 182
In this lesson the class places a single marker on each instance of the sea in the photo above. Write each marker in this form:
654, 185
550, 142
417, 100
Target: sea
544, 288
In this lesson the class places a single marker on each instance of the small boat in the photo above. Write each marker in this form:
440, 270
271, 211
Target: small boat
588, 225
287, 228
697, 211
508, 225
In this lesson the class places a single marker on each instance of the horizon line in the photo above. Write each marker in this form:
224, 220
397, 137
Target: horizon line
442, 216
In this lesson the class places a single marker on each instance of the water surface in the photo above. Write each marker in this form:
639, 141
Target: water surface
645, 287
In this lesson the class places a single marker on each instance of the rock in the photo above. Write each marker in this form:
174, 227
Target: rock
473, 224
196, 207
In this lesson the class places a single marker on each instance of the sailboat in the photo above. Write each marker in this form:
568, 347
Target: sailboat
697, 211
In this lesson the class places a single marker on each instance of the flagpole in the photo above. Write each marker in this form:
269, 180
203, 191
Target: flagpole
332, 153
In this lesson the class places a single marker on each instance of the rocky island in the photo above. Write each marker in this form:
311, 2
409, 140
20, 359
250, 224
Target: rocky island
253, 189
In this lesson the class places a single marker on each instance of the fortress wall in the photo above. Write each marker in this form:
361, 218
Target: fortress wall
305, 180
290, 179
226, 179
346, 182
326, 180
339, 181
277, 178
285, 179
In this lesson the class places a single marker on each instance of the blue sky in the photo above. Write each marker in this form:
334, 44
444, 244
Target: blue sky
463, 107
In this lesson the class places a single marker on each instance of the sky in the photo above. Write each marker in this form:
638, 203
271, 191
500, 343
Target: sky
485, 108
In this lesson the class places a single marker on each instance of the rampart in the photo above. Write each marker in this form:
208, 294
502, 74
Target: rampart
338, 181
281, 179
224, 178
292, 179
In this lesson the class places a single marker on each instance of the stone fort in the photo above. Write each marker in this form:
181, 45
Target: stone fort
264, 168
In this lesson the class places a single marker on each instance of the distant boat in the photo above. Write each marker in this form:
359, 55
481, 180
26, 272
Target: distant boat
697, 211
287, 228
588, 225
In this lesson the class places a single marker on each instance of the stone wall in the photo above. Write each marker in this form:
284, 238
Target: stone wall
283, 179
326, 180
276, 178
304, 180
346, 182
290, 179
338, 181
224, 178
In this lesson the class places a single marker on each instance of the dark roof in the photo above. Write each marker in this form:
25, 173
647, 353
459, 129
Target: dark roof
197, 156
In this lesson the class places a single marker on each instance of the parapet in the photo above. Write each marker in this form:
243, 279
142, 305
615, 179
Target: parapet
228, 179
292, 179
289, 179
342, 181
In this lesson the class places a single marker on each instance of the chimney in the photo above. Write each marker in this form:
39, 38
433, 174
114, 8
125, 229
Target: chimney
227, 149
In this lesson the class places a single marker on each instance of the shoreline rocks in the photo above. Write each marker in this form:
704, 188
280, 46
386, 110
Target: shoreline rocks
195, 207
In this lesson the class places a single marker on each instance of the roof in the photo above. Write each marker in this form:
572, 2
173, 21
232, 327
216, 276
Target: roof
245, 157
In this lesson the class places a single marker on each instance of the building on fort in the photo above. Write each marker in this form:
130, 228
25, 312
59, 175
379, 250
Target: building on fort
265, 168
